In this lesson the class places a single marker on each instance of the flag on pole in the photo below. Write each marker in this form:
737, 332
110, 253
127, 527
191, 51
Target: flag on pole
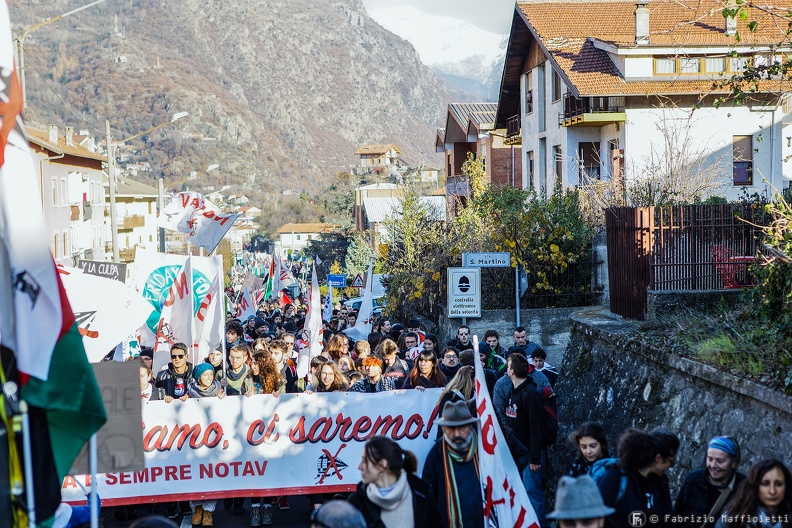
176, 319
284, 300
365, 318
327, 311
37, 324
209, 320
203, 222
313, 327
505, 500
273, 281
245, 306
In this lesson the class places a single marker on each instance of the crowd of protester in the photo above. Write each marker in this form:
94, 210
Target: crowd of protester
619, 488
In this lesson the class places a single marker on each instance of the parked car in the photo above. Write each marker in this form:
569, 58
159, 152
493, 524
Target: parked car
378, 301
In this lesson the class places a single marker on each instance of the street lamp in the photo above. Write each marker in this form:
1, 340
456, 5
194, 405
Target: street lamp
111, 175
34, 27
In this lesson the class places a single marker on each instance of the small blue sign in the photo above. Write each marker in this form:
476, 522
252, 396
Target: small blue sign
336, 281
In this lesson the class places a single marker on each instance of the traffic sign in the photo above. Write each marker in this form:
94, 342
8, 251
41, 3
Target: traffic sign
358, 282
336, 280
487, 260
464, 292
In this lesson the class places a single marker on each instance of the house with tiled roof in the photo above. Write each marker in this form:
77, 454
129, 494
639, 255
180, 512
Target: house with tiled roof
379, 157
72, 196
292, 238
599, 89
470, 128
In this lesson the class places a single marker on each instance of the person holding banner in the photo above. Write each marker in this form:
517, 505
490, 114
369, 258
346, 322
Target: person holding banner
451, 468
172, 381
204, 384
390, 494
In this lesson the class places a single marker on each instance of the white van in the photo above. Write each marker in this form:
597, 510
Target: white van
377, 299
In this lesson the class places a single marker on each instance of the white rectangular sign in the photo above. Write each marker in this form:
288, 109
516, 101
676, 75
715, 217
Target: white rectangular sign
464, 292
486, 260
238, 446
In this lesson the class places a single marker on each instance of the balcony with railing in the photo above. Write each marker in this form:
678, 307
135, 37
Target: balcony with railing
592, 111
513, 131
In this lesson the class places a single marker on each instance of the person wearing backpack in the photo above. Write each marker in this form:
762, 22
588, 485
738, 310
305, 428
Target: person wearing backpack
525, 419
637, 486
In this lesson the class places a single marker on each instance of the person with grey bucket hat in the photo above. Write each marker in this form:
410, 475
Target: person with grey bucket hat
452, 468
579, 504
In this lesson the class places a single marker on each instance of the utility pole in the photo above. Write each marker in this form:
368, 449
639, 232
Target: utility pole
112, 185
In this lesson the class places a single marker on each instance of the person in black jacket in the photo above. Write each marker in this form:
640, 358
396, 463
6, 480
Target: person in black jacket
706, 491
172, 381
638, 487
390, 494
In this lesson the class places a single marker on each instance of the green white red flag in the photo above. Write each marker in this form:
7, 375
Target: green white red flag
37, 325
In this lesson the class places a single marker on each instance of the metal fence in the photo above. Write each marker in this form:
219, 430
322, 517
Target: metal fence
692, 247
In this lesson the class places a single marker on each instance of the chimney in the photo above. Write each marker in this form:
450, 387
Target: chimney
642, 22
69, 136
731, 23
53, 134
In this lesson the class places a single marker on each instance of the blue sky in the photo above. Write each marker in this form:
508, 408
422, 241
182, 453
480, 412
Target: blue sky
491, 15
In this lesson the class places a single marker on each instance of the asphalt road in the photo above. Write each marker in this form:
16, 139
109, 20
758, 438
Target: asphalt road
297, 516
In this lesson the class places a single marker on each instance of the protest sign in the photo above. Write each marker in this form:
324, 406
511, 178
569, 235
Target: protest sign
263, 445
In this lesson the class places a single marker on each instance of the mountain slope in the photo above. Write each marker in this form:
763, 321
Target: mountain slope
280, 94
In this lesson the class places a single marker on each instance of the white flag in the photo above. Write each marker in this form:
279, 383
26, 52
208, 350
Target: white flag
202, 221
176, 324
505, 500
313, 326
107, 311
209, 320
283, 277
245, 306
327, 312
365, 318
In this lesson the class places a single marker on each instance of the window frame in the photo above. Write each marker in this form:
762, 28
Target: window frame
746, 163
702, 60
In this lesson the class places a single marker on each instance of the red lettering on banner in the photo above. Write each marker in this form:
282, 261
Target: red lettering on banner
181, 286
223, 221
344, 427
361, 426
314, 435
156, 472
124, 478
185, 472
170, 473
383, 423
268, 436
69, 482
414, 420
489, 502
185, 198
110, 479
208, 214
234, 469
297, 434
180, 435
201, 315
258, 427
430, 423
488, 438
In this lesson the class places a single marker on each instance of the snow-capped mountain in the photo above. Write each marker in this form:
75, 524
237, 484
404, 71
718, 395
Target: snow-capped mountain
469, 59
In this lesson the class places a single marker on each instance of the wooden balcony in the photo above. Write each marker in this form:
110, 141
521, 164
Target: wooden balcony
513, 131
591, 111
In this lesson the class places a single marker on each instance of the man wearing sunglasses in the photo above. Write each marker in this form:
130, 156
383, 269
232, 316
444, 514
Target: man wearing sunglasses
172, 382
462, 340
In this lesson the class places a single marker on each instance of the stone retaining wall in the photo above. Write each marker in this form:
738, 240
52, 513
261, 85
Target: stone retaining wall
607, 377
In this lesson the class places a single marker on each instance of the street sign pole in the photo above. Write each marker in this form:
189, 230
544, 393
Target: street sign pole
517, 293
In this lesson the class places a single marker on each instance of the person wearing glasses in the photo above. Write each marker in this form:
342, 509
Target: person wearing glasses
643, 460
449, 362
462, 341
172, 381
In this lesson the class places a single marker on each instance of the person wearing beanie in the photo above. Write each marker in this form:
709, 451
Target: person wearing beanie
707, 490
204, 385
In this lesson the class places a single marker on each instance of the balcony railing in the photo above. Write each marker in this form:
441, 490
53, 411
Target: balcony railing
513, 131
592, 111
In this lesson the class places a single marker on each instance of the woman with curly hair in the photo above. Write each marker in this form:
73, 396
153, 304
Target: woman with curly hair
426, 373
267, 379
337, 346
639, 483
331, 379
591, 442
763, 500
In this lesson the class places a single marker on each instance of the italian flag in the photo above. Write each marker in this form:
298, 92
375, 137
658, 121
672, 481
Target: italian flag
40, 345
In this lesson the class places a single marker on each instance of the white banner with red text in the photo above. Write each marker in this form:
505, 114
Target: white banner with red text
263, 445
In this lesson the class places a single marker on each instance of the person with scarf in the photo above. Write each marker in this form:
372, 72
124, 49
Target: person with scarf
204, 386
706, 491
451, 468
239, 376
390, 495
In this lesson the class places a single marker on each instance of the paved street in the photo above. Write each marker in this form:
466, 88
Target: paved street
296, 517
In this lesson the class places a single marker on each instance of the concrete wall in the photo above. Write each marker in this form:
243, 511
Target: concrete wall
609, 377
548, 326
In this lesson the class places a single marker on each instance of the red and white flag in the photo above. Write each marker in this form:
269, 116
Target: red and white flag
245, 306
203, 222
505, 500
107, 311
209, 320
176, 323
313, 327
